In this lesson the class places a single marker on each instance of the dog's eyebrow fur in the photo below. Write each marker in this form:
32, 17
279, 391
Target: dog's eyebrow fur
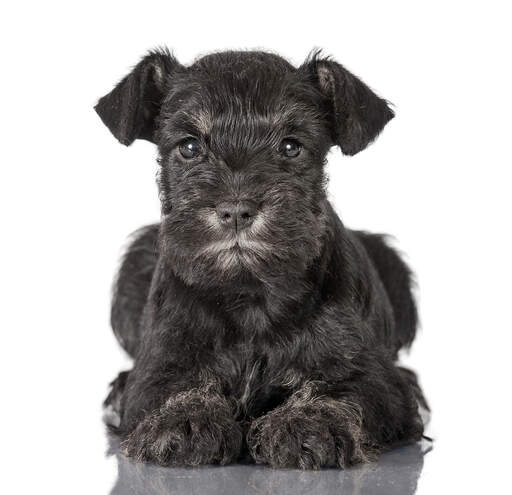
195, 122
203, 122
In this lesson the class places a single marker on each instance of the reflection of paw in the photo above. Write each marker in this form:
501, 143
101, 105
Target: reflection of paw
308, 433
191, 428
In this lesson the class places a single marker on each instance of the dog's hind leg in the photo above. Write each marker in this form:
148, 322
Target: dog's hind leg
130, 292
398, 282
112, 404
131, 287
423, 407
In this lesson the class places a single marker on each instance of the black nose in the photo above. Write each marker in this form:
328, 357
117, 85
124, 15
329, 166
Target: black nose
237, 215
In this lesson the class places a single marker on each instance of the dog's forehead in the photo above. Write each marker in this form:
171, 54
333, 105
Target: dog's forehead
243, 81
243, 89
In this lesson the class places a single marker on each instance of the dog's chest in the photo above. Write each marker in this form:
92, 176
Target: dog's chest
257, 377
257, 361
249, 316
257, 390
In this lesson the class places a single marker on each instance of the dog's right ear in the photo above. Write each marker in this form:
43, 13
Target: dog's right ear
131, 108
358, 114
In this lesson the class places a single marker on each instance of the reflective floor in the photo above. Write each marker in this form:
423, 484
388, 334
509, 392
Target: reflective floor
396, 473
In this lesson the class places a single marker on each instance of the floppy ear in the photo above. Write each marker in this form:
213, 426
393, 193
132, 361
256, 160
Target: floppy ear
358, 114
131, 108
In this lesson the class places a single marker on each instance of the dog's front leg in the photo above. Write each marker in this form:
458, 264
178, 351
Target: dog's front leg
192, 427
339, 423
173, 408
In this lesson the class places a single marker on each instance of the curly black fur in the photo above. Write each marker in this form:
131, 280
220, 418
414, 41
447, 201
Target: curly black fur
278, 340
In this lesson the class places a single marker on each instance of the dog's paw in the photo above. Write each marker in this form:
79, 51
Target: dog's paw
190, 429
309, 434
291, 441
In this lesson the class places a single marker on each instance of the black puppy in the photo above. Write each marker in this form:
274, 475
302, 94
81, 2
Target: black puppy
258, 323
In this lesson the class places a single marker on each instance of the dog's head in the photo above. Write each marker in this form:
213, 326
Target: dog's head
242, 139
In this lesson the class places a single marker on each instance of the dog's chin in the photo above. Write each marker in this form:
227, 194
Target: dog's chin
235, 255
217, 265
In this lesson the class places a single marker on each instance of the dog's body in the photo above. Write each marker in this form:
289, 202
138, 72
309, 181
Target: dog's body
257, 321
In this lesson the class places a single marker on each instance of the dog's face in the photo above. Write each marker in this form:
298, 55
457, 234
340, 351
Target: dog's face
242, 140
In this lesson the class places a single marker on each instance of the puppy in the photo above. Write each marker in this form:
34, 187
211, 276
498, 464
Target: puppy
259, 324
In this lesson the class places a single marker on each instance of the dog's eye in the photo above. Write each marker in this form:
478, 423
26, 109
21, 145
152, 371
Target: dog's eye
290, 148
190, 148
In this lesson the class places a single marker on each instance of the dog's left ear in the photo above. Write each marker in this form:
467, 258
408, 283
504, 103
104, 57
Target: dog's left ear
358, 114
131, 108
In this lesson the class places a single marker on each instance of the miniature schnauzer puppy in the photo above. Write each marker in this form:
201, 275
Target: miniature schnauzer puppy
260, 326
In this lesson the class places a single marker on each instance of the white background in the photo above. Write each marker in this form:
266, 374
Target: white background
438, 179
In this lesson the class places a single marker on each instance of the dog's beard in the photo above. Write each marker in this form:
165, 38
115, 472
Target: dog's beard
205, 254
235, 254
233, 251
